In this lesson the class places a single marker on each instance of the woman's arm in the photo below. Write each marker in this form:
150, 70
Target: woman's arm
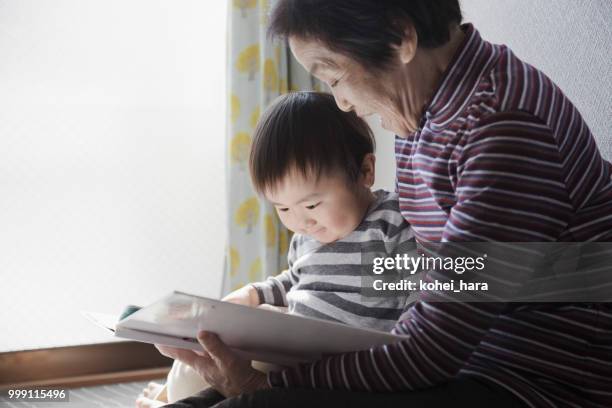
509, 189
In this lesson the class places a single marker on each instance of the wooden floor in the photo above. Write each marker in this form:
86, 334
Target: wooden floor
108, 396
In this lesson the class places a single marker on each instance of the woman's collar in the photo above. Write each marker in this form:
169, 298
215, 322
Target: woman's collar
471, 60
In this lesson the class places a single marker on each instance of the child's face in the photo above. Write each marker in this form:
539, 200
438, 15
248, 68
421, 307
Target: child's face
327, 209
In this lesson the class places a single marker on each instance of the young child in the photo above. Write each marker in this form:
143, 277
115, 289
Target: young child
315, 164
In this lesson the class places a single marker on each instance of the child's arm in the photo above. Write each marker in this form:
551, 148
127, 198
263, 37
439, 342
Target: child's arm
246, 295
273, 290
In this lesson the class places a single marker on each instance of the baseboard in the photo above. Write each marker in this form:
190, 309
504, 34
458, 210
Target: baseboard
82, 365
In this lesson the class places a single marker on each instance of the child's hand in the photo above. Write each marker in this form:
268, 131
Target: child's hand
279, 309
247, 296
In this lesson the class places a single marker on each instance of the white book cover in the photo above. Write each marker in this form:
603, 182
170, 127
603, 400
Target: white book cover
256, 334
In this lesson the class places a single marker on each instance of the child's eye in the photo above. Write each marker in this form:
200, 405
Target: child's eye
312, 207
283, 209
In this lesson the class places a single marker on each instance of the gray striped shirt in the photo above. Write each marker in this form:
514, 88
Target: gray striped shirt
324, 280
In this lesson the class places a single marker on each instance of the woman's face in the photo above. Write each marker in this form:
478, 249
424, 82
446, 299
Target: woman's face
355, 88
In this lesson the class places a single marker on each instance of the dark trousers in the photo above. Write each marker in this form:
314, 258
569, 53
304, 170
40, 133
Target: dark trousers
457, 393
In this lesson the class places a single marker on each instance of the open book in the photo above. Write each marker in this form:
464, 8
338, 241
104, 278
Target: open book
255, 334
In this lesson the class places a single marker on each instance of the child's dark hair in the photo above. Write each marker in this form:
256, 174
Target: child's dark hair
308, 133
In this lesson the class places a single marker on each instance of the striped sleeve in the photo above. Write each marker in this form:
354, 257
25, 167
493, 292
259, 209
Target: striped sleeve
511, 158
273, 291
510, 185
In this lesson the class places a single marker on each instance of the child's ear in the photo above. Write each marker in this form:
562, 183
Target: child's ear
368, 170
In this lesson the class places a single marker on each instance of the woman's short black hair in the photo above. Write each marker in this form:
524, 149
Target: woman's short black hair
365, 30
306, 132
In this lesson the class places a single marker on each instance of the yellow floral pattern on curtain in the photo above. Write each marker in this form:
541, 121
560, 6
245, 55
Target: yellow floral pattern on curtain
259, 71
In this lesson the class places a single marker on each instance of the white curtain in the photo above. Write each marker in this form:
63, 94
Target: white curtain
258, 72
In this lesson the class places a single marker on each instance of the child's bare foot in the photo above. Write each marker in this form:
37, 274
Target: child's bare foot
148, 398
153, 390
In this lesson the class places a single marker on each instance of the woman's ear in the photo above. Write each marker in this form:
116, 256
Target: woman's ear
407, 49
368, 170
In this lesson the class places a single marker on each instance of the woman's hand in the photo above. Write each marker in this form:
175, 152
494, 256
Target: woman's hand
219, 366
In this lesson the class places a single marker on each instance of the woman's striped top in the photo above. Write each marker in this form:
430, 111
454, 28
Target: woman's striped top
502, 155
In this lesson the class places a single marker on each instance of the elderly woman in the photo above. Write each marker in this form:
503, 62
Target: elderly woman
488, 149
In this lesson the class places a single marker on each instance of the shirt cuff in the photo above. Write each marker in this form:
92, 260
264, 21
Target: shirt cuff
260, 289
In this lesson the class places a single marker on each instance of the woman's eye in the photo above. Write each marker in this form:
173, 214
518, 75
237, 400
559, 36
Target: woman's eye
312, 207
335, 82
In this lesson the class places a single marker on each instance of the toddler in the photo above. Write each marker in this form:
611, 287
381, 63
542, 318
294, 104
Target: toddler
315, 164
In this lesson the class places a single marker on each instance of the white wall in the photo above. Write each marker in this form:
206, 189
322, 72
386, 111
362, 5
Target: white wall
111, 160
385, 155
569, 40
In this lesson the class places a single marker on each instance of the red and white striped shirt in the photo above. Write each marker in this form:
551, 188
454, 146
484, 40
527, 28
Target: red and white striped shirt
502, 155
